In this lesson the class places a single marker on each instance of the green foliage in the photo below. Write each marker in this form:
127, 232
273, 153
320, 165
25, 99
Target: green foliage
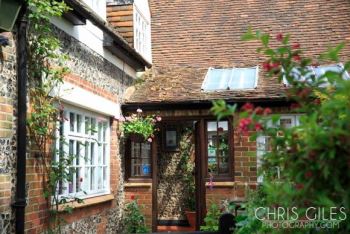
46, 71
313, 157
142, 125
212, 218
134, 219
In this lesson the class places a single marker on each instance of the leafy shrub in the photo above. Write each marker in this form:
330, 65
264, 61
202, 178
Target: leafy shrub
134, 219
212, 218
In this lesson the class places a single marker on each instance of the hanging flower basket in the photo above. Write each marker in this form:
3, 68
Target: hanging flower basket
136, 137
140, 128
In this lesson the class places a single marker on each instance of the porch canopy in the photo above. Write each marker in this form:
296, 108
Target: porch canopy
181, 87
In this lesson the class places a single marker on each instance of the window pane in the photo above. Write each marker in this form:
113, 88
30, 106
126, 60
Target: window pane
79, 123
71, 122
140, 159
218, 148
243, 78
217, 79
92, 153
92, 179
87, 125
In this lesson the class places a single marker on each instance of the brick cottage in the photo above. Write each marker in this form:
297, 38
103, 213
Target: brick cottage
168, 58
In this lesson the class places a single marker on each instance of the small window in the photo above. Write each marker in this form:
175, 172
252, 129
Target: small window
138, 160
142, 34
262, 147
230, 79
90, 147
218, 148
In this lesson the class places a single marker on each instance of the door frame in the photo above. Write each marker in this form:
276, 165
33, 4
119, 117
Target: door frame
200, 172
200, 147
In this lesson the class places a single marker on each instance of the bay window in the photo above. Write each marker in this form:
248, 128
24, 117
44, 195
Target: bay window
86, 139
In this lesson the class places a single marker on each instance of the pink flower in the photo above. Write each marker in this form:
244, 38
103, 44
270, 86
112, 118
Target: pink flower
296, 46
158, 118
296, 58
244, 124
258, 127
149, 139
121, 119
128, 118
279, 37
248, 107
267, 111
139, 110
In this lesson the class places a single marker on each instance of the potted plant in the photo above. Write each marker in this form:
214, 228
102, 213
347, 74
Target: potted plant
140, 128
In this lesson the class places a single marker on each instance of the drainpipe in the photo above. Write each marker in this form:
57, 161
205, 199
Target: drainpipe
20, 198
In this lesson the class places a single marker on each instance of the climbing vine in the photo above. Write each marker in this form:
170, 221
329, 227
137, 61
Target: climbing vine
46, 70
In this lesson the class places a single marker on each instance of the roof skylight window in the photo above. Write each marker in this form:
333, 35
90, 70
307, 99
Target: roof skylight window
230, 79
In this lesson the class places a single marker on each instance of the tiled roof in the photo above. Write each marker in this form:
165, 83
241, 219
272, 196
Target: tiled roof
183, 84
190, 36
207, 33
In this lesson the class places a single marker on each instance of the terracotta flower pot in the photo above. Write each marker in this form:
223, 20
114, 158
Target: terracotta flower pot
191, 217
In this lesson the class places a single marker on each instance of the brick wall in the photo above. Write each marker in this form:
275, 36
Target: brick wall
102, 214
143, 194
8, 97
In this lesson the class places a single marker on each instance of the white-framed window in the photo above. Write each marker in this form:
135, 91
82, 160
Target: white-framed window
86, 136
262, 142
317, 72
142, 34
218, 79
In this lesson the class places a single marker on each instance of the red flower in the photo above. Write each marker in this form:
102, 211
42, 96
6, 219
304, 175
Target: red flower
294, 106
132, 197
296, 46
296, 58
279, 37
308, 174
244, 124
259, 110
299, 186
258, 127
304, 93
267, 66
275, 65
312, 155
248, 107
267, 111
317, 101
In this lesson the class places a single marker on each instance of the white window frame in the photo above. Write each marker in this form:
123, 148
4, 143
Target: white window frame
262, 142
206, 80
142, 34
101, 151
312, 69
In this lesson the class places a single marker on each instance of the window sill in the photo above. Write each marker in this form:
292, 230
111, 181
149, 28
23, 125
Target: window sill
87, 202
221, 184
137, 184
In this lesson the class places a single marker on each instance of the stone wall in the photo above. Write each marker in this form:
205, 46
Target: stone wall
8, 110
92, 72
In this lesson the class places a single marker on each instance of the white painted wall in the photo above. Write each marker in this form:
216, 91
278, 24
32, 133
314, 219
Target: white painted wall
92, 36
